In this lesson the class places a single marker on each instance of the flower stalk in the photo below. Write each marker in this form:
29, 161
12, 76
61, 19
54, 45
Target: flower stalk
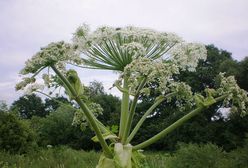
132, 110
124, 109
175, 125
87, 112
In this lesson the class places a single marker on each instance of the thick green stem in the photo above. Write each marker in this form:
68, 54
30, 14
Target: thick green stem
143, 118
132, 109
174, 125
87, 112
124, 108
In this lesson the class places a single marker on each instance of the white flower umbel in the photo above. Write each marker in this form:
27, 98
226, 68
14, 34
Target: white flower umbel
187, 55
25, 81
54, 53
237, 97
33, 87
114, 48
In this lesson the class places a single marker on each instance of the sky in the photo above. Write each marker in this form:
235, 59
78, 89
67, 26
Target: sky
27, 25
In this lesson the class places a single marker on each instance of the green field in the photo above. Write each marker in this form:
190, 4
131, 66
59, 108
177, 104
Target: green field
187, 156
64, 157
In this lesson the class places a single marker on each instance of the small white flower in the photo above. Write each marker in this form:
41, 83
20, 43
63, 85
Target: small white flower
187, 55
52, 54
33, 87
236, 97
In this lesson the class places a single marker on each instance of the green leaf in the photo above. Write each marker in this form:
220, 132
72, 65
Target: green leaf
106, 136
105, 162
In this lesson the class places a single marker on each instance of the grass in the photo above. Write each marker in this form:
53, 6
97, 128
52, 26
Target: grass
51, 158
187, 156
64, 157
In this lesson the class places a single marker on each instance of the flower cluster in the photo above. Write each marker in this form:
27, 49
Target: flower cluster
117, 47
25, 81
80, 118
55, 53
33, 87
182, 90
29, 86
187, 55
236, 97
122, 36
134, 49
153, 71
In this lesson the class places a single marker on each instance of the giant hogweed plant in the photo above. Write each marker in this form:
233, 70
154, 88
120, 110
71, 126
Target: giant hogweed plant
141, 57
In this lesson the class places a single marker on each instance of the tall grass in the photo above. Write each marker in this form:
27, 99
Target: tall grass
187, 156
64, 157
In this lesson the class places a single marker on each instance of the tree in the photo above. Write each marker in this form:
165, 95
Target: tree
28, 106
15, 135
52, 105
243, 77
57, 129
95, 88
3, 106
142, 57
108, 102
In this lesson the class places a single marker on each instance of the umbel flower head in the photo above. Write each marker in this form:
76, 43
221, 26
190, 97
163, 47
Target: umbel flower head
114, 48
54, 53
237, 98
135, 51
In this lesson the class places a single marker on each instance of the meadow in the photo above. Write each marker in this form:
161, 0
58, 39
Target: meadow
187, 156
64, 157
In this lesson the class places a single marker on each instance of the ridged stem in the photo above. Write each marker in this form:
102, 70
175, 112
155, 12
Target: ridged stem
87, 112
124, 108
175, 125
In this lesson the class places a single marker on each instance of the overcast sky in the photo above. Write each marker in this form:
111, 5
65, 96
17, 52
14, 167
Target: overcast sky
27, 25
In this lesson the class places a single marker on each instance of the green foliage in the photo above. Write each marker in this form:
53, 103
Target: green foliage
61, 157
51, 105
28, 106
191, 155
195, 156
208, 155
56, 128
3, 106
15, 135
242, 77
239, 157
210, 126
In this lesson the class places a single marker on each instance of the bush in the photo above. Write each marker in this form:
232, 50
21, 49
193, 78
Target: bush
198, 156
59, 157
15, 134
239, 157
57, 129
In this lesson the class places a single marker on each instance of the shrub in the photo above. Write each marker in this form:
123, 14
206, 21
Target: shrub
197, 156
57, 129
58, 157
15, 135
239, 157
